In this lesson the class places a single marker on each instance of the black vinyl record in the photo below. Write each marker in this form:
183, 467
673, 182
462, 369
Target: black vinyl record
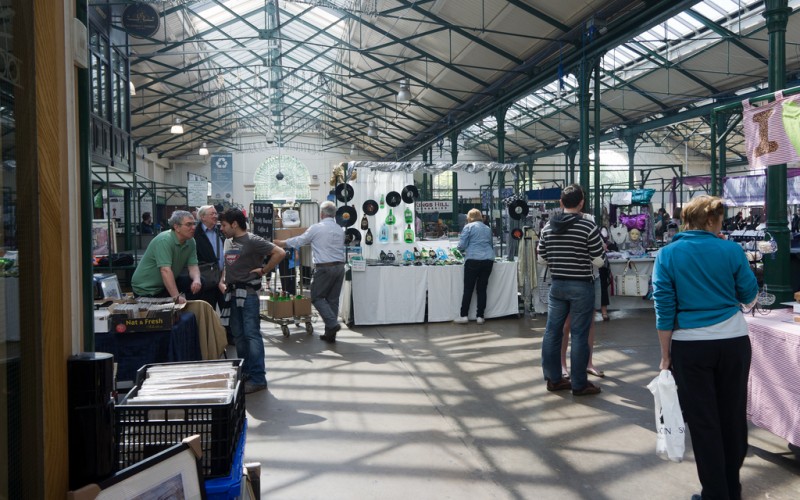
393, 198
346, 216
352, 237
516, 233
344, 192
410, 194
370, 207
518, 209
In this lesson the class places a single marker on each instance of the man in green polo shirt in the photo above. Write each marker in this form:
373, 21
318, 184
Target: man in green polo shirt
167, 255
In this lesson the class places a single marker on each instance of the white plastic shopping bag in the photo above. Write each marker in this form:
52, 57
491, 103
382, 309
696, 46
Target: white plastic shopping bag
670, 429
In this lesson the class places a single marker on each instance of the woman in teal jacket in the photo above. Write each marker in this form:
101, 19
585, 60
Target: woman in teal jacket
700, 282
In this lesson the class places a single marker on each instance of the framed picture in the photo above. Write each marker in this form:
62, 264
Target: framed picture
174, 473
104, 237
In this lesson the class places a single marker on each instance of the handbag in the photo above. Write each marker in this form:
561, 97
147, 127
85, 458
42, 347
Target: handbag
544, 287
630, 283
210, 274
670, 429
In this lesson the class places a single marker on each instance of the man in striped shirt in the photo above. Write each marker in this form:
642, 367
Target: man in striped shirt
571, 246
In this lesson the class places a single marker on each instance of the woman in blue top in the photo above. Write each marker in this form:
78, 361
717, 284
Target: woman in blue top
475, 243
699, 284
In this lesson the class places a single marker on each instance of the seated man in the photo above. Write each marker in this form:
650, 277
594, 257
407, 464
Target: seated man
166, 256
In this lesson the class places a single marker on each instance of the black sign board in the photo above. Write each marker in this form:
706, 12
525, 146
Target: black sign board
140, 20
262, 219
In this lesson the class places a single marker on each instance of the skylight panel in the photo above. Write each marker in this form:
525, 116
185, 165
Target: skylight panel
217, 15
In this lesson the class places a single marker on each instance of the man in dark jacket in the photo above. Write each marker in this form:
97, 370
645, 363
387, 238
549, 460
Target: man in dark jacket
210, 254
572, 247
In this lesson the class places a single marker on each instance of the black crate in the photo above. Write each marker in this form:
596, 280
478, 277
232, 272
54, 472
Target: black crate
144, 430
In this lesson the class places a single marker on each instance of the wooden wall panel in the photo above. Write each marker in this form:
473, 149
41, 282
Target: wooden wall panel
53, 54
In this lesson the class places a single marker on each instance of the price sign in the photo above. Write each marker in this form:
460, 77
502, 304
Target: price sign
263, 214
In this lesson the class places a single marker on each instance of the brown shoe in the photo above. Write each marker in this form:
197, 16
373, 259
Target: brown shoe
561, 385
588, 390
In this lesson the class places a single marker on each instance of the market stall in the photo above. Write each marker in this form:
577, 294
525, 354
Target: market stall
773, 393
132, 350
401, 276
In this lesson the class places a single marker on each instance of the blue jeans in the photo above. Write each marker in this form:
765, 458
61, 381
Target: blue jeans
566, 298
246, 330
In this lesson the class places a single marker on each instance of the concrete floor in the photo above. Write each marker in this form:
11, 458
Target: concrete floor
461, 411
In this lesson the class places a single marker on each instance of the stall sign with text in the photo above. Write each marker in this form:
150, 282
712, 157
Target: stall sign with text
427, 207
263, 214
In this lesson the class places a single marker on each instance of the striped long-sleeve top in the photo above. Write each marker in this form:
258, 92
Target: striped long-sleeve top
570, 244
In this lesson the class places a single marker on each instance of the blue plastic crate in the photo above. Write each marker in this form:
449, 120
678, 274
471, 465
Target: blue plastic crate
225, 488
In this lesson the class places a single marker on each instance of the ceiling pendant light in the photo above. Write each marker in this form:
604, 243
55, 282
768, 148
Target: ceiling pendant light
176, 128
371, 130
203, 150
404, 94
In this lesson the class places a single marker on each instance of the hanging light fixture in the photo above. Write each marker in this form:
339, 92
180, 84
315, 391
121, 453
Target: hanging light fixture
176, 128
371, 130
203, 150
404, 94
352, 150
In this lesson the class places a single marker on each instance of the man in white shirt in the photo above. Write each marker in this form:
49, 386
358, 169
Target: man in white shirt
327, 248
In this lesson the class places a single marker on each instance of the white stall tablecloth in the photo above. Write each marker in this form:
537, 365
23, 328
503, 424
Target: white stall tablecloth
446, 286
389, 294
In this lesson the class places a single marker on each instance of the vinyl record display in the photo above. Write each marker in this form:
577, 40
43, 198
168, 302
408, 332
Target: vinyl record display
393, 198
516, 233
370, 207
346, 216
518, 209
410, 194
344, 192
352, 237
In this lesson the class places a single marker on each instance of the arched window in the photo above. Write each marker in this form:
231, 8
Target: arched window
293, 183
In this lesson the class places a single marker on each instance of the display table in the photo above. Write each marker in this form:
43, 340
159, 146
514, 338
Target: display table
133, 350
389, 294
773, 394
397, 294
446, 287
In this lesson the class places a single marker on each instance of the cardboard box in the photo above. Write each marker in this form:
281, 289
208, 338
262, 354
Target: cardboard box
280, 309
101, 320
302, 306
286, 233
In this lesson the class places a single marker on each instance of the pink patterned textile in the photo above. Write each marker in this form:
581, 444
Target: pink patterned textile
769, 130
773, 393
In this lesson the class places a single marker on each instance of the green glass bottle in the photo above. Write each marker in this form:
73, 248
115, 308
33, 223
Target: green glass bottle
408, 234
408, 215
382, 203
390, 219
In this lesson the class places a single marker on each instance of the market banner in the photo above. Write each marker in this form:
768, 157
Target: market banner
222, 177
750, 191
